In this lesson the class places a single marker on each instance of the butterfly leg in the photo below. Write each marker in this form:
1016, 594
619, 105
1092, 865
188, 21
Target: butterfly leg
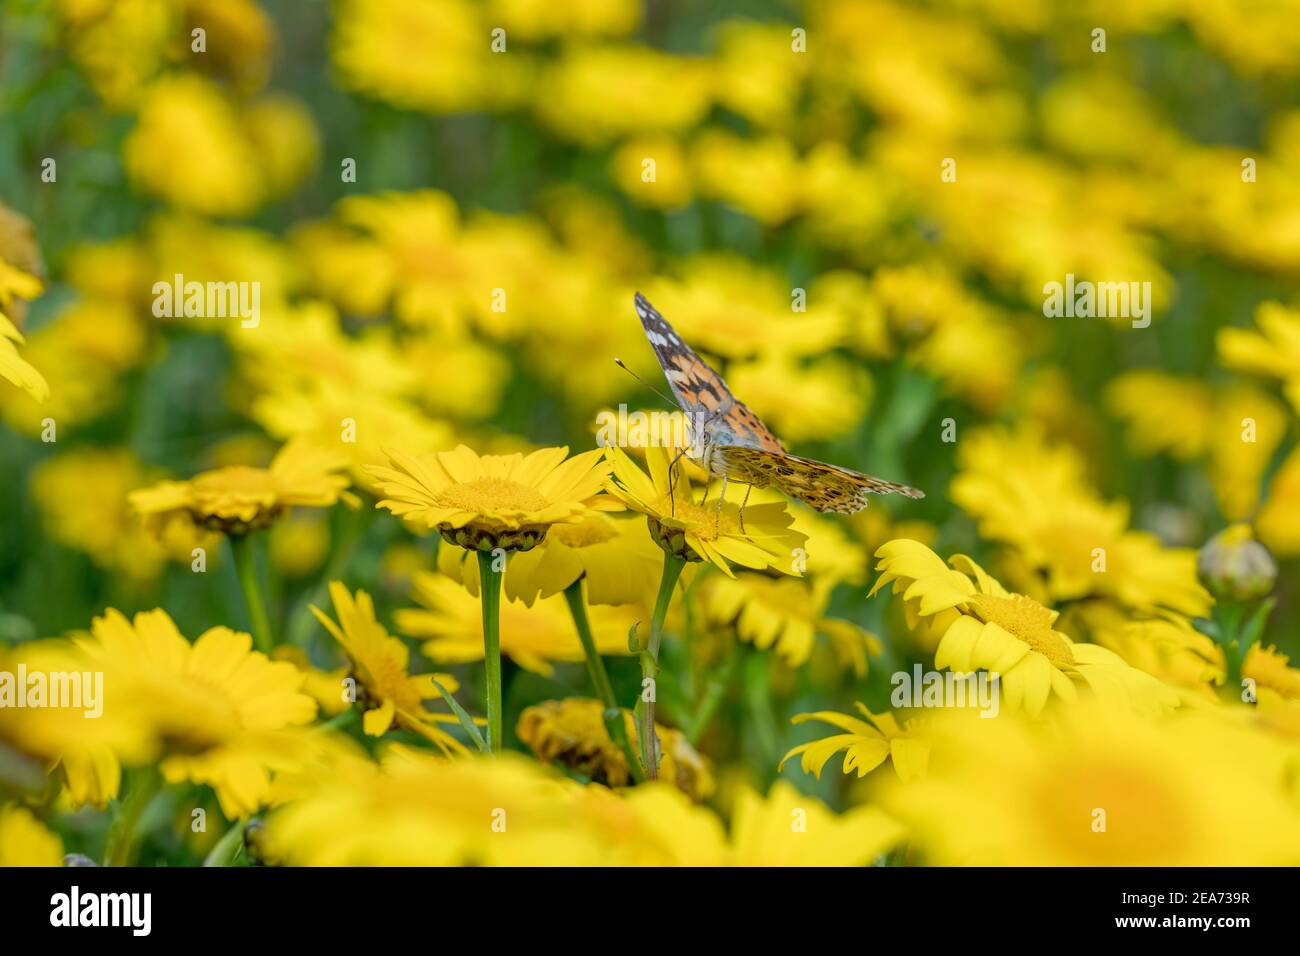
722, 496
748, 489
672, 482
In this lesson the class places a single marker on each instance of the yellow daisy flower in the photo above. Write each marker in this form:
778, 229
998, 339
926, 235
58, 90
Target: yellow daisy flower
1271, 669
788, 828
89, 750
387, 692
1033, 495
703, 532
481, 502
573, 734
533, 637
422, 810
95, 517
17, 285
867, 742
1272, 352
240, 499
613, 555
785, 613
222, 713
1012, 636
327, 688
13, 367
24, 840
1102, 786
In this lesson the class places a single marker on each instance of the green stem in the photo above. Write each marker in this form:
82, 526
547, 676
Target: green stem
650, 663
758, 695
715, 691
341, 721
241, 546
228, 847
142, 786
490, 595
615, 722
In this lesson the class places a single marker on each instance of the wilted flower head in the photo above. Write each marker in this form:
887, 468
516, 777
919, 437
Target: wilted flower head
572, 733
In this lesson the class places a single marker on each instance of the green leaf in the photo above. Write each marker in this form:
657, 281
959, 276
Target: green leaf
463, 716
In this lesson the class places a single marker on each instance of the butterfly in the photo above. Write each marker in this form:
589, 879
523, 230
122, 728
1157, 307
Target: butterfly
730, 441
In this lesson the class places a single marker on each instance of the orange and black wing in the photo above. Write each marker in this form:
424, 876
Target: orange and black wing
825, 487
700, 390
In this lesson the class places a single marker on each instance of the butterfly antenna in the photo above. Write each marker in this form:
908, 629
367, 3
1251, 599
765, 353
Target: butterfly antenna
620, 364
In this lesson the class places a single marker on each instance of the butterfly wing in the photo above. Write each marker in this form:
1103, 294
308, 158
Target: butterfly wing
825, 487
700, 390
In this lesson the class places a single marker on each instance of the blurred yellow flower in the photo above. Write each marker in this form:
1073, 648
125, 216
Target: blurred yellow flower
1272, 352
358, 421
1012, 636
283, 136
703, 532
1239, 428
83, 496
789, 829
1033, 495
819, 401
727, 306
1278, 521
68, 735
533, 637
572, 733
784, 613
223, 714
386, 691
535, 20
327, 688
240, 499
759, 73
380, 48
189, 148
652, 171
762, 177
81, 354
1103, 787
1167, 647
420, 810
24, 840
594, 94
481, 502
867, 742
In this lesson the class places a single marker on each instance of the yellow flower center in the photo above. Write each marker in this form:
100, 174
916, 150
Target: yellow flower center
1024, 618
389, 681
591, 531
491, 494
700, 520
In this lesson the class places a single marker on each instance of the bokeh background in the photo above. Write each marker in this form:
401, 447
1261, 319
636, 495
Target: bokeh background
384, 173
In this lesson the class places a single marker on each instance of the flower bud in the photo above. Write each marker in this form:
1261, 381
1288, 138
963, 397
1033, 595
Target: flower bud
1236, 567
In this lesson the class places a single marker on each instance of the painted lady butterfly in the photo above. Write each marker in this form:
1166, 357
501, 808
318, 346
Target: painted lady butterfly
730, 441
